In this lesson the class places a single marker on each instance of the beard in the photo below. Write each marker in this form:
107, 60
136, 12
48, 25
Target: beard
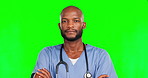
78, 35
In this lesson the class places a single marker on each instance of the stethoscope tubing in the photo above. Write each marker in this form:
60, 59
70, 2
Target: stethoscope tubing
66, 65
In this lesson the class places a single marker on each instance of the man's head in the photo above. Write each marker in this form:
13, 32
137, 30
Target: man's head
71, 23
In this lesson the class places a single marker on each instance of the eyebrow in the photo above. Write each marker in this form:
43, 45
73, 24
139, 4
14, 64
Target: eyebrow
64, 18
74, 18
77, 18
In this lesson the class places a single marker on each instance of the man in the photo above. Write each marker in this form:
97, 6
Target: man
73, 52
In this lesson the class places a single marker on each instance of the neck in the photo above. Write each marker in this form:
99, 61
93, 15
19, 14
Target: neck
73, 46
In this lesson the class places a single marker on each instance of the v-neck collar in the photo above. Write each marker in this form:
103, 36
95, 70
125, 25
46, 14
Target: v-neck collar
66, 58
80, 65
79, 61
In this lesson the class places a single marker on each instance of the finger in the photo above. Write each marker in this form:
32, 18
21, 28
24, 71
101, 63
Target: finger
37, 76
43, 72
103, 76
47, 71
41, 75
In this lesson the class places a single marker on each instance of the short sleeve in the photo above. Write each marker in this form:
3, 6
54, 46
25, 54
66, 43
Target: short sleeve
43, 61
105, 66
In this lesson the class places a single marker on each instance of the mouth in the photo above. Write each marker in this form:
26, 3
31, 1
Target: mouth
70, 31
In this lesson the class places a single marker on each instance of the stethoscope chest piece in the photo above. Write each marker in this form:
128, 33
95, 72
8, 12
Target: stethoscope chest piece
87, 75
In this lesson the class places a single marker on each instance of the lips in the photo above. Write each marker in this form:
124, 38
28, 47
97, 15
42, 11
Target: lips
70, 31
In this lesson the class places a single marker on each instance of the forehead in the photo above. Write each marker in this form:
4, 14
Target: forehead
71, 14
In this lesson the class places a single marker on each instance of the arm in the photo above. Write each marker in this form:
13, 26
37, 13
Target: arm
43, 73
42, 66
105, 67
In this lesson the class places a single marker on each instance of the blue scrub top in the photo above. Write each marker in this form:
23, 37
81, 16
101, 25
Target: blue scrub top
99, 63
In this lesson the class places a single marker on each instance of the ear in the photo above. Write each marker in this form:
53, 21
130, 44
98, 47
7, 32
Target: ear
84, 25
59, 25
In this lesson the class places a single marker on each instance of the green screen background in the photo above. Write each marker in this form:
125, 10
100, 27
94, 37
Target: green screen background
118, 26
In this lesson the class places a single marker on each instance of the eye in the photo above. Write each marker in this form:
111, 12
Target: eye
76, 21
64, 21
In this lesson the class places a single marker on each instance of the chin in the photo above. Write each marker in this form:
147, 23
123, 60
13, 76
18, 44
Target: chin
71, 36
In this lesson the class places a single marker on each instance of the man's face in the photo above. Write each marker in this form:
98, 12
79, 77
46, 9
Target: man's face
71, 25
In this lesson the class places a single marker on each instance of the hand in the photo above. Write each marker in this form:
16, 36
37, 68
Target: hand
44, 73
103, 76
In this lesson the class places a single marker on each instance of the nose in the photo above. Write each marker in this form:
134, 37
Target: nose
70, 24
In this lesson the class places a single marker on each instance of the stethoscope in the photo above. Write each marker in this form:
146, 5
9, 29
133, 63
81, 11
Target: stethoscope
86, 75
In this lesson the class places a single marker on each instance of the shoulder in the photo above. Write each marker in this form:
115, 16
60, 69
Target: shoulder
101, 56
97, 51
49, 49
52, 47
